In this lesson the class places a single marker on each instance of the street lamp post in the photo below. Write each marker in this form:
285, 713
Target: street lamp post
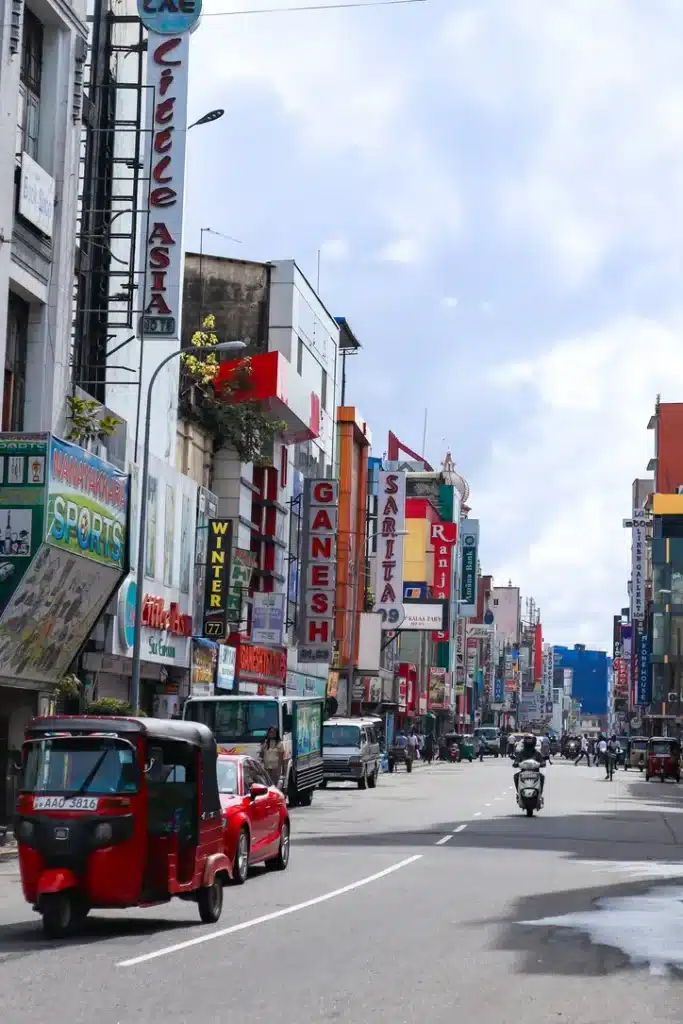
221, 346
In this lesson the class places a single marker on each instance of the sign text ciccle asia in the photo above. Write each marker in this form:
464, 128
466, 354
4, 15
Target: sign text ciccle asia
391, 519
217, 585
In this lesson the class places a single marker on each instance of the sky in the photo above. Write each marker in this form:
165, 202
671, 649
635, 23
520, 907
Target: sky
496, 191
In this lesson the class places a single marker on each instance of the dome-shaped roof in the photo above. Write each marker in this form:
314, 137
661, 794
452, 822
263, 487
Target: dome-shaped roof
454, 478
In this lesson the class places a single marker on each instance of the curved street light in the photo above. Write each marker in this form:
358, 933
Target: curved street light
212, 115
221, 346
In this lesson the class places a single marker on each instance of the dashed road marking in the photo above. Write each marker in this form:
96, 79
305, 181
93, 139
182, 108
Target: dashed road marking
444, 839
460, 828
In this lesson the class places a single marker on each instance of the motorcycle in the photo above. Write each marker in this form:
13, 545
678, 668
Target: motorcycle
529, 794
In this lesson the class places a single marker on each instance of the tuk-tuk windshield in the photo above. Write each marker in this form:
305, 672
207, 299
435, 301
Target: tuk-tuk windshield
662, 748
79, 764
638, 744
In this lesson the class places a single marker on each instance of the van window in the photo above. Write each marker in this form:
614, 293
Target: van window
341, 735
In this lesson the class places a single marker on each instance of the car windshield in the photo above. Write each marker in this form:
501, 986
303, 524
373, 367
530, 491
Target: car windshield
235, 721
341, 736
227, 777
488, 734
74, 764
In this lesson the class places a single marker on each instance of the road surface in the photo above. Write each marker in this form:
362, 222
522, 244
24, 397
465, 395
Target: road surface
416, 903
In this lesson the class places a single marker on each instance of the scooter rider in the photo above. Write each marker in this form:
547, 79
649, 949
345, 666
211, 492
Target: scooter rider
527, 750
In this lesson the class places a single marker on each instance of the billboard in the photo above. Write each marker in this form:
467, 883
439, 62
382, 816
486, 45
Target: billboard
217, 579
391, 524
469, 545
439, 694
23, 465
268, 619
444, 536
422, 616
640, 520
319, 570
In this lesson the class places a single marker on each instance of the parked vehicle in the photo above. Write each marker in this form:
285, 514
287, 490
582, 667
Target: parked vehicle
467, 748
529, 795
118, 812
255, 815
663, 758
636, 753
240, 725
491, 737
351, 752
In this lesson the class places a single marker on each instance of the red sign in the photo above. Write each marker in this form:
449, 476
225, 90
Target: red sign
620, 668
402, 694
320, 552
157, 615
443, 537
261, 664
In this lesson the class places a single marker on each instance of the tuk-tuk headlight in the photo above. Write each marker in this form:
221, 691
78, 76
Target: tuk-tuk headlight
25, 830
103, 833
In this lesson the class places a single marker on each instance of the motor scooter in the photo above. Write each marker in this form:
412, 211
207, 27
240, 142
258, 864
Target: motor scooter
529, 787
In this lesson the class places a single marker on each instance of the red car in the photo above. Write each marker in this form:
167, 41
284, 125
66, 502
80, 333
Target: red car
255, 816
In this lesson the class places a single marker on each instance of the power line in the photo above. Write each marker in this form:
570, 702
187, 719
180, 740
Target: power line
312, 7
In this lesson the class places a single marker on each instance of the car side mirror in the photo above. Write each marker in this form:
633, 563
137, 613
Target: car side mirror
258, 789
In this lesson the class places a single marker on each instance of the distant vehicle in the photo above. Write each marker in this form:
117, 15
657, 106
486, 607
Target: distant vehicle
351, 751
255, 815
241, 723
491, 736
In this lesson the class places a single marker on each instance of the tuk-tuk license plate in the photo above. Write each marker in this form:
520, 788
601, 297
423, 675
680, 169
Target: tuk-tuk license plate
65, 803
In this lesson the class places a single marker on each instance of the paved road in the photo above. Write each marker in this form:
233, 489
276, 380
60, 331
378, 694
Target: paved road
410, 903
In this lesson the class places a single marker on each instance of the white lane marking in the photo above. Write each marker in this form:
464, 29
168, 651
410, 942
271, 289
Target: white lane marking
477, 814
167, 950
445, 839
460, 828
487, 805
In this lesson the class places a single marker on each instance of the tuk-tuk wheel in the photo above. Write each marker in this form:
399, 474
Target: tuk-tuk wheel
57, 909
210, 901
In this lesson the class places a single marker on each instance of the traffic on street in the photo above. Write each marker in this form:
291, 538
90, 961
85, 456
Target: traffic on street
429, 897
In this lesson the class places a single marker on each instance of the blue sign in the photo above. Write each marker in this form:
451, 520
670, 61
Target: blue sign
415, 591
643, 673
498, 690
128, 594
488, 617
169, 17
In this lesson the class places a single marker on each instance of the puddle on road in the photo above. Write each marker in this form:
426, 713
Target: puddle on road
648, 928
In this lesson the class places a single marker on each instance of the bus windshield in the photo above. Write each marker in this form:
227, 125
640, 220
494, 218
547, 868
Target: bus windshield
233, 720
74, 764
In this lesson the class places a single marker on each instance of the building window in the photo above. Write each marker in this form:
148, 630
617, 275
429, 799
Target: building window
283, 466
28, 114
151, 528
300, 357
15, 364
323, 391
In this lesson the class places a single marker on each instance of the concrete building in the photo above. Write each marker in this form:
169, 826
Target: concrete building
42, 55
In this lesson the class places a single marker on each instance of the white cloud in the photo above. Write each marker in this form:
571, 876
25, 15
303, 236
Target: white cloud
403, 250
596, 91
335, 250
449, 302
558, 484
487, 308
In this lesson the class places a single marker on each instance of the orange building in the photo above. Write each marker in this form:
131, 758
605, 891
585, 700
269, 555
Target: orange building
353, 447
667, 463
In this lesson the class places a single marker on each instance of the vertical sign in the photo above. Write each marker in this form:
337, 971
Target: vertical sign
460, 665
468, 574
217, 579
391, 520
319, 576
643, 673
638, 542
443, 537
23, 468
168, 48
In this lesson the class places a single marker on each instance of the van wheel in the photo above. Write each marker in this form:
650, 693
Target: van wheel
306, 798
363, 782
57, 909
372, 779
323, 784
210, 901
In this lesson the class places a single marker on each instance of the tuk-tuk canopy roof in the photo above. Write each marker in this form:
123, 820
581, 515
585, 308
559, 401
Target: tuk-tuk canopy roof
159, 729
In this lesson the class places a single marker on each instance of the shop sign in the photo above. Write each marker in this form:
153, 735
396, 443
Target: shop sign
217, 579
36, 195
372, 689
332, 683
439, 690
460, 666
267, 619
643, 672
87, 505
319, 547
402, 694
638, 570
203, 667
469, 541
498, 689
125, 615
241, 570
23, 459
156, 614
443, 538
167, 75
472, 658
261, 665
413, 591
423, 616
391, 521
225, 671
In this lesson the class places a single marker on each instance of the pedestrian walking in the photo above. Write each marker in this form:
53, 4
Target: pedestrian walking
584, 752
503, 743
429, 748
273, 755
611, 754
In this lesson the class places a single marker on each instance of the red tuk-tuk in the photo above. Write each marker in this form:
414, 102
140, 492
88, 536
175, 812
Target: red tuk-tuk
118, 812
663, 758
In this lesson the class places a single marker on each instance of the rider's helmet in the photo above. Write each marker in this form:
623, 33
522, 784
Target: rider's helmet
529, 743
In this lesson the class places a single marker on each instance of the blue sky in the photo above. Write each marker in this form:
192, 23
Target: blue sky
497, 191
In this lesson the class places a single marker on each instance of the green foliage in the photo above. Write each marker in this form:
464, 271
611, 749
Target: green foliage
68, 687
241, 425
114, 707
86, 422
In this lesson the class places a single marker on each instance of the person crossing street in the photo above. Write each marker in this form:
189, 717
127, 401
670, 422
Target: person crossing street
584, 752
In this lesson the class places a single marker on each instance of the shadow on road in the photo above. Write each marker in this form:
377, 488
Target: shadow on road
28, 937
